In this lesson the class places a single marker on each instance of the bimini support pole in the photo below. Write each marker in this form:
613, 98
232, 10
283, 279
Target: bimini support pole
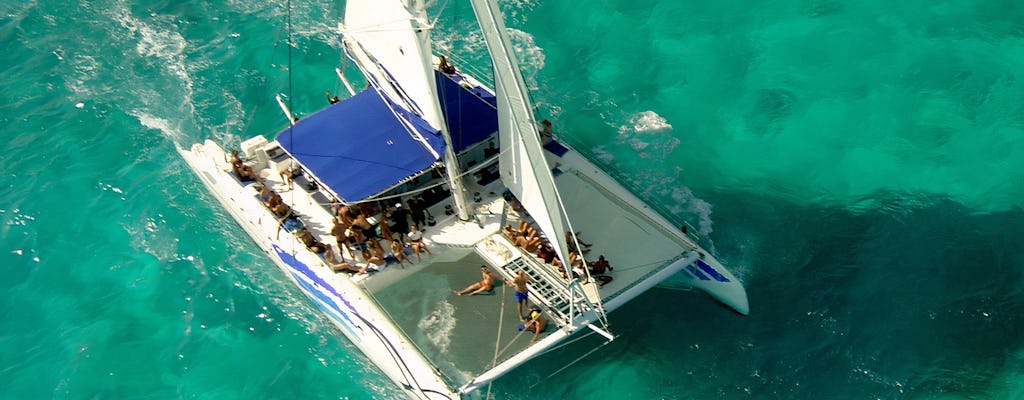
287, 112
344, 80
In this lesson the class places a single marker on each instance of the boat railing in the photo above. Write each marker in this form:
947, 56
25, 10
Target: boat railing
548, 287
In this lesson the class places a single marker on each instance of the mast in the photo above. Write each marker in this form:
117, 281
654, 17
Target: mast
524, 169
451, 163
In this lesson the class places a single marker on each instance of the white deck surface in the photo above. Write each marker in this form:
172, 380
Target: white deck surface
460, 335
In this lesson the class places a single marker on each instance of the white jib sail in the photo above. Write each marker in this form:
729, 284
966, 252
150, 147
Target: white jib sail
524, 170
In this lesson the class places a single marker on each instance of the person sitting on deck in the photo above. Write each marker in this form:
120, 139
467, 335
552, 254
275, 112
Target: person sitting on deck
332, 99
266, 193
341, 266
546, 133
274, 199
530, 245
576, 263
444, 66
396, 254
598, 268
306, 237
536, 324
374, 246
525, 229
512, 233
373, 263
571, 244
243, 171
281, 210
547, 253
416, 242
484, 285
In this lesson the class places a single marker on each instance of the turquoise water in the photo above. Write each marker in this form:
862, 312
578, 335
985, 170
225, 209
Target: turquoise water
859, 166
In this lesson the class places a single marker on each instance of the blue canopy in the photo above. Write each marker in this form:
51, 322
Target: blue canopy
358, 147
472, 115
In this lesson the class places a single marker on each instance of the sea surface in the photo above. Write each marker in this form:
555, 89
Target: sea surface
859, 165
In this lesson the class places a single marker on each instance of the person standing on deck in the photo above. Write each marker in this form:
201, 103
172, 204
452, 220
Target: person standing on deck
417, 211
400, 217
338, 230
521, 293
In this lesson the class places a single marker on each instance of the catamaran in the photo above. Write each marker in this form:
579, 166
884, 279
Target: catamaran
429, 159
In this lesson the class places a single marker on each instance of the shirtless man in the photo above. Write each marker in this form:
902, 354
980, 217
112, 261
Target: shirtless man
397, 252
512, 234
362, 228
372, 262
522, 293
537, 324
485, 285
529, 244
243, 171
340, 266
338, 230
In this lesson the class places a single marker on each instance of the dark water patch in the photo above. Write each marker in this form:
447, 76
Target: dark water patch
868, 304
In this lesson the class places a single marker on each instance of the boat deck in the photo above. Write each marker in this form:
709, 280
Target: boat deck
463, 336
466, 335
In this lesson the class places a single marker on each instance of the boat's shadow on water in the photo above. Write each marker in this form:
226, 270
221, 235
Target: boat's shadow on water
922, 300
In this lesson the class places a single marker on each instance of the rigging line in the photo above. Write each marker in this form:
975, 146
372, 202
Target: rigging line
439, 12
389, 315
644, 265
288, 42
585, 335
578, 359
501, 322
513, 341
497, 342
291, 124
423, 189
396, 355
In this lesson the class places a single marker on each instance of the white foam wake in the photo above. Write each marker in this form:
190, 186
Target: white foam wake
648, 133
439, 325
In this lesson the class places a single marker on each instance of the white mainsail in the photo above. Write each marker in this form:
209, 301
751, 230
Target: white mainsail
385, 33
524, 170
396, 34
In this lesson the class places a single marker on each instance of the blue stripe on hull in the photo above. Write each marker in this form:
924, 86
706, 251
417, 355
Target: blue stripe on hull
711, 271
696, 273
318, 288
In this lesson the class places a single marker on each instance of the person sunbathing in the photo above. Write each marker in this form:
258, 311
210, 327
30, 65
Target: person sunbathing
530, 245
243, 171
484, 285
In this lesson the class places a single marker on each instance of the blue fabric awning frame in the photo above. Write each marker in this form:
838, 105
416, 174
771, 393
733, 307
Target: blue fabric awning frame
360, 147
